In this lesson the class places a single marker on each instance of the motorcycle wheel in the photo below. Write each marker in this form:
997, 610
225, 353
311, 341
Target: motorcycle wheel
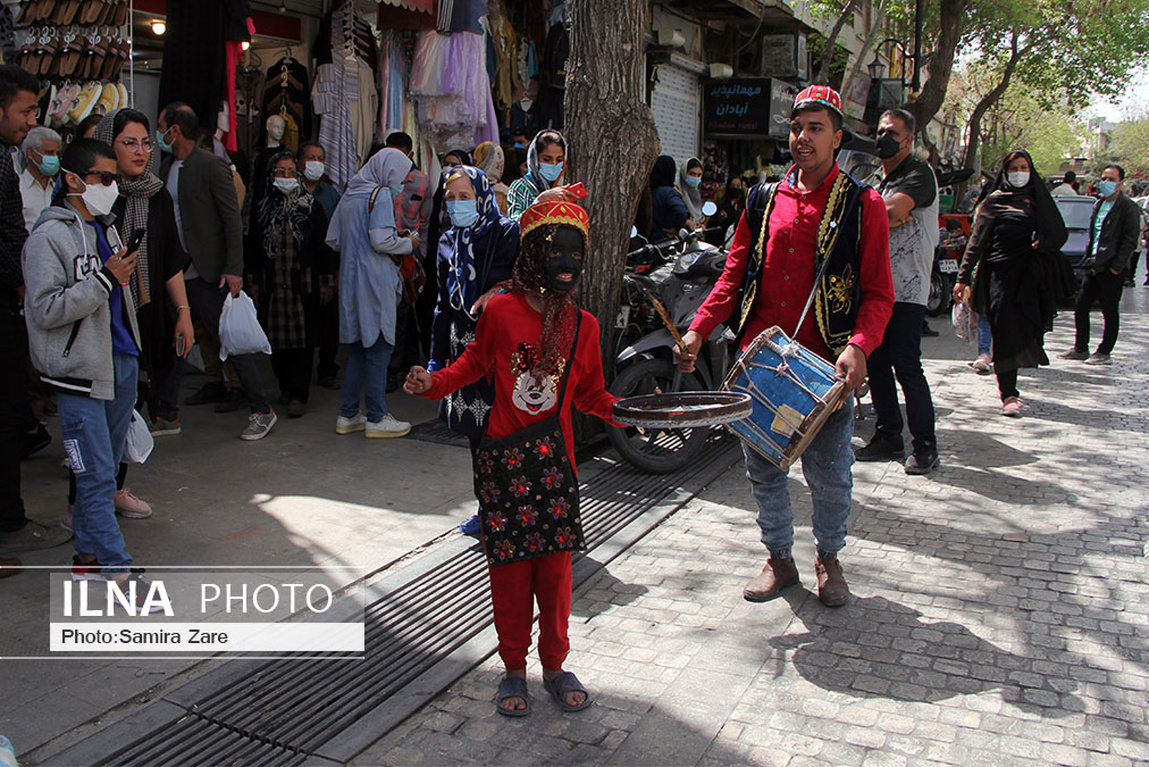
656, 451
941, 293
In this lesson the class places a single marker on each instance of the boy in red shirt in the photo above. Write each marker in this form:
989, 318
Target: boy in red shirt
525, 340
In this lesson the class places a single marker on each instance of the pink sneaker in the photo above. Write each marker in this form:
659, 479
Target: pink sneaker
131, 507
982, 364
1011, 407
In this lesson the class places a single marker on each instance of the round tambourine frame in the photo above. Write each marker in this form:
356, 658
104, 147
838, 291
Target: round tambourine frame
683, 410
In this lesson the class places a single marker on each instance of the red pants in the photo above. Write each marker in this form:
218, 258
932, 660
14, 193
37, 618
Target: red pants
548, 580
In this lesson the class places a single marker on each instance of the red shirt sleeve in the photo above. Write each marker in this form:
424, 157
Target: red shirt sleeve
722, 302
590, 395
472, 365
874, 274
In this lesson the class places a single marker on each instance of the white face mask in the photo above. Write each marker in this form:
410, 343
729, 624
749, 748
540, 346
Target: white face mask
1018, 179
286, 185
99, 199
313, 170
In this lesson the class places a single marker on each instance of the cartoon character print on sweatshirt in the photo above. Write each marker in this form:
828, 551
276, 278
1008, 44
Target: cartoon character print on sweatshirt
532, 395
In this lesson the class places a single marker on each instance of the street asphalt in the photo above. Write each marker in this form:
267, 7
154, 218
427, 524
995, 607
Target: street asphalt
999, 612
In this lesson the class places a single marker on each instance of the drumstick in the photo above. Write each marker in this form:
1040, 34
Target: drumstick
658, 307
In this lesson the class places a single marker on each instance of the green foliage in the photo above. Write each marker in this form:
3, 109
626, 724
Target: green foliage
1130, 145
1073, 49
1019, 120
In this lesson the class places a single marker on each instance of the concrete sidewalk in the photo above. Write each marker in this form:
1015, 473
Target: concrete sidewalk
1000, 610
999, 614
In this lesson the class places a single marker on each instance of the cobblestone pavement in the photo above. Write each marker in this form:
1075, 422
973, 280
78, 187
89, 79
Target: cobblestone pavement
999, 611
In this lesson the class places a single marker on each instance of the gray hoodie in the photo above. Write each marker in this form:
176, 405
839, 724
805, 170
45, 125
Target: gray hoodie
66, 307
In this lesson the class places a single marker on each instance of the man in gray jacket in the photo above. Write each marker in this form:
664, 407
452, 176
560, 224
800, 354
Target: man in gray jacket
83, 337
1113, 236
211, 230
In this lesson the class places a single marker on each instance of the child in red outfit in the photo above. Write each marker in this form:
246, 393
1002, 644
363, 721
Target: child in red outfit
525, 338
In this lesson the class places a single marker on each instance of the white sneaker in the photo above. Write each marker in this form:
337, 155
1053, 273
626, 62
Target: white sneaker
386, 428
350, 425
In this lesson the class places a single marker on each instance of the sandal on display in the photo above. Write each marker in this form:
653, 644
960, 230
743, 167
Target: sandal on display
564, 684
512, 687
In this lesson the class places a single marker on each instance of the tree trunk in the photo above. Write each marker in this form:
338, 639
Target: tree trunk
828, 51
941, 63
989, 100
613, 141
983, 106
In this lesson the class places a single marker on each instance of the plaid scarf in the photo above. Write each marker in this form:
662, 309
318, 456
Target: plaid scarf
137, 192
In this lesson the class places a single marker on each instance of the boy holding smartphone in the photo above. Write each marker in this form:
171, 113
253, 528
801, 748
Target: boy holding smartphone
83, 336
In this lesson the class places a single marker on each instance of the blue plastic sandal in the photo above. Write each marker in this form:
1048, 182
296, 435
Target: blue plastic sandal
564, 684
512, 687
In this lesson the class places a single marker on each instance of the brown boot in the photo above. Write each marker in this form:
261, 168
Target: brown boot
832, 588
775, 576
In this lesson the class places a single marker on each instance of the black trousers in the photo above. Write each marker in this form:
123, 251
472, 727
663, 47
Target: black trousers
13, 395
1007, 384
293, 371
328, 338
206, 305
900, 354
1105, 287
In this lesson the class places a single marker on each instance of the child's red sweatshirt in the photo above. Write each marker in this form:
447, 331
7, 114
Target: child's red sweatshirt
507, 339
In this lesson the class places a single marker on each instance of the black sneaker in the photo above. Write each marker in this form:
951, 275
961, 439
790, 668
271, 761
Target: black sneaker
928, 332
923, 461
208, 393
880, 448
233, 402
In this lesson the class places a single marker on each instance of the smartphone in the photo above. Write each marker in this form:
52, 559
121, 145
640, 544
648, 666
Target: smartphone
135, 240
578, 190
180, 346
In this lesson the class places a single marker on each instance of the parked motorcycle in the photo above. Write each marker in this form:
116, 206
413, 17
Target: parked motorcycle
943, 276
663, 288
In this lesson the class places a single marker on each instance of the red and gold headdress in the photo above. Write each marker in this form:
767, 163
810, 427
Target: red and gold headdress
543, 213
819, 94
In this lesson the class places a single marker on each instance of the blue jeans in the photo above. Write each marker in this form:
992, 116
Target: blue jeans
366, 368
901, 354
94, 433
826, 466
984, 336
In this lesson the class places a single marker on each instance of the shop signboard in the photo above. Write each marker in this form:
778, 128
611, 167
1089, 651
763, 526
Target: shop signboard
749, 107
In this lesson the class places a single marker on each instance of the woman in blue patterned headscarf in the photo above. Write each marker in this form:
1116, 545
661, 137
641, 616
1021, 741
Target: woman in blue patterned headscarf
476, 254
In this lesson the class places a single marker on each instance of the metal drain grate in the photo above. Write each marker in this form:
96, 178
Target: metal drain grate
281, 712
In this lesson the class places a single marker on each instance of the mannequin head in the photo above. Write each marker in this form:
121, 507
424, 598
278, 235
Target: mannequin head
223, 120
276, 126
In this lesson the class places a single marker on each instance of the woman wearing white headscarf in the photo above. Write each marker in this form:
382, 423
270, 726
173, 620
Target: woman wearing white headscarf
490, 159
689, 184
363, 231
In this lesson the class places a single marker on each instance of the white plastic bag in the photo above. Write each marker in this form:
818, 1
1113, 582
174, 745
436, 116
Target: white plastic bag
239, 330
139, 443
965, 325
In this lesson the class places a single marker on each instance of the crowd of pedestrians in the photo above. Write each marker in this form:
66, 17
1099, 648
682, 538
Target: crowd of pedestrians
119, 250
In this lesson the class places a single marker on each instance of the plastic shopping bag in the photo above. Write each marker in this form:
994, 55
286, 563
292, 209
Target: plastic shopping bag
965, 324
239, 329
139, 443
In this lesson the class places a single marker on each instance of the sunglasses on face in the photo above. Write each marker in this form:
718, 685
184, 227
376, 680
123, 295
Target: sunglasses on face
106, 177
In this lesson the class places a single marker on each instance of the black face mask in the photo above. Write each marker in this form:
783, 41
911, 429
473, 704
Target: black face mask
564, 257
888, 146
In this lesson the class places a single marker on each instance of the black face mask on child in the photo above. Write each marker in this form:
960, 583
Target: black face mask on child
564, 257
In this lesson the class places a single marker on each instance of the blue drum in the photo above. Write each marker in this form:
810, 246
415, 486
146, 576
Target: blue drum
793, 390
